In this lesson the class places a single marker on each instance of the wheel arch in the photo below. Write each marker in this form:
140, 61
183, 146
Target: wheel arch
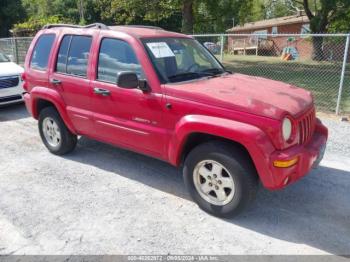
195, 129
40, 104
195, 139
44, 97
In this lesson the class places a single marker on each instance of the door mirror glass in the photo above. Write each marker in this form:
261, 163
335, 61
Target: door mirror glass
127, 80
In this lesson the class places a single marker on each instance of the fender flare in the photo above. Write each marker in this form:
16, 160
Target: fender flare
53, 97
252, 138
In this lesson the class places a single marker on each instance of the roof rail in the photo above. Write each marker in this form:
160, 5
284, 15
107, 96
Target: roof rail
95, 25
143, 26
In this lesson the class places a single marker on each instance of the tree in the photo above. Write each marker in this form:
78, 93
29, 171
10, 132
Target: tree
277, 8
11, 12
68, 10
322, 14
164, 13
215, 16
341, 25
38, 8
187, 16
33, 25
41, 12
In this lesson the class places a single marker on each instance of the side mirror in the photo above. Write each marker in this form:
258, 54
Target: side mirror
130, 80
127, 80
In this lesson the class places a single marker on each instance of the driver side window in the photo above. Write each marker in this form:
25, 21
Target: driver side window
116, 56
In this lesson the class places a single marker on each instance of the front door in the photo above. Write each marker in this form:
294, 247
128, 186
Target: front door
125, 117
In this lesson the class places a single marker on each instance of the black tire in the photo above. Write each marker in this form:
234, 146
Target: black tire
68, 140
237, 163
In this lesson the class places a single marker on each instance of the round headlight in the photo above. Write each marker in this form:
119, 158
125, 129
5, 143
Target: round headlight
287, 129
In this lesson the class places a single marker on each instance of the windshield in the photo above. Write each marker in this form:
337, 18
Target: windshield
4, 58
181, 59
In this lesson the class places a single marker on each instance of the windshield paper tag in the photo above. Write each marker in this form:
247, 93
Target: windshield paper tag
160, 50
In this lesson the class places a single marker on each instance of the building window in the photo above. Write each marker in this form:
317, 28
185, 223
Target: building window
262, 34
274, 30
305, 29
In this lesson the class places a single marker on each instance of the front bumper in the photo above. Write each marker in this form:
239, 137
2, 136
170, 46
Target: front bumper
309, 156
11, 95
8, 100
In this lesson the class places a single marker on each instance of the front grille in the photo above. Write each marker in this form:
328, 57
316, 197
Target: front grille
8, 81
307, 124
10, 98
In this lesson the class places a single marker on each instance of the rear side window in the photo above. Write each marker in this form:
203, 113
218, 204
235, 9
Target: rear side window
116, 56
73, 55
41, 52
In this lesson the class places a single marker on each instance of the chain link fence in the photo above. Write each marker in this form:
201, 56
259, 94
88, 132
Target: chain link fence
15, 48
318, 63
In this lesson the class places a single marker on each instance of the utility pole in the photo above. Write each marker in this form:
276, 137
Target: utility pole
233, 22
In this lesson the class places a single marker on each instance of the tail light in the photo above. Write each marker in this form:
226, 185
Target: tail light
25, 85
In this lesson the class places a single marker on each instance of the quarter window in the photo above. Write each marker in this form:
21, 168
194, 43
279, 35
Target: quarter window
73, 55
42, 52
116, 56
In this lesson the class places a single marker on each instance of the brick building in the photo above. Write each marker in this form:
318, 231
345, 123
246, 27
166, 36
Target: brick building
272, 45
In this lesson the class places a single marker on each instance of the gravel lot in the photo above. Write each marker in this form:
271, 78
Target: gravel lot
104, 200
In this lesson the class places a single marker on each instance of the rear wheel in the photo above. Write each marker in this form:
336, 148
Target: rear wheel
220, 178
54, 133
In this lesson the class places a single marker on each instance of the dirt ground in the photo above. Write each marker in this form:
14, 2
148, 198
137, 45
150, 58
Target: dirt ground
104, 200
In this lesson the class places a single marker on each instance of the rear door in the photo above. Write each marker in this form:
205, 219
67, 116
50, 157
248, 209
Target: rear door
70, 78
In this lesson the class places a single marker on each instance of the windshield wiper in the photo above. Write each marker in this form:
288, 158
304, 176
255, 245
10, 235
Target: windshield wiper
213, 71
189, 74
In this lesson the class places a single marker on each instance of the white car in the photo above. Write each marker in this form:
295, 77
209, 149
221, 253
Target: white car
10, 81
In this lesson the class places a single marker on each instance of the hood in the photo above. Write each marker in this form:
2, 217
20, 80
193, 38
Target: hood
10, 69
254, 95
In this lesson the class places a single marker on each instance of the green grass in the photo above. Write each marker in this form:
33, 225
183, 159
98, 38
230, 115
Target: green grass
322, 78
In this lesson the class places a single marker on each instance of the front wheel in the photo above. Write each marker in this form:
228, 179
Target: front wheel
54, 133
220, 178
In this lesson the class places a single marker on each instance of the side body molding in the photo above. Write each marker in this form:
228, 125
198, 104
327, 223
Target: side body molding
251, 137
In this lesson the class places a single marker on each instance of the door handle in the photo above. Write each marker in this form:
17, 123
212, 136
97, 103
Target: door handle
55, 82
100, 91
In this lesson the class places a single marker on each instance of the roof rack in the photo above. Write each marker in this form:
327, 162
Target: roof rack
95, 25
142, 26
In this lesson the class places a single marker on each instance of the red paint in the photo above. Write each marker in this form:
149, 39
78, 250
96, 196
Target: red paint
244, 109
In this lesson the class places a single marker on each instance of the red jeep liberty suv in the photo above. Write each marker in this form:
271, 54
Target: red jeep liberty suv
165, 95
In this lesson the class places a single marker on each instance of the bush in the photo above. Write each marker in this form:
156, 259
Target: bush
32, 26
